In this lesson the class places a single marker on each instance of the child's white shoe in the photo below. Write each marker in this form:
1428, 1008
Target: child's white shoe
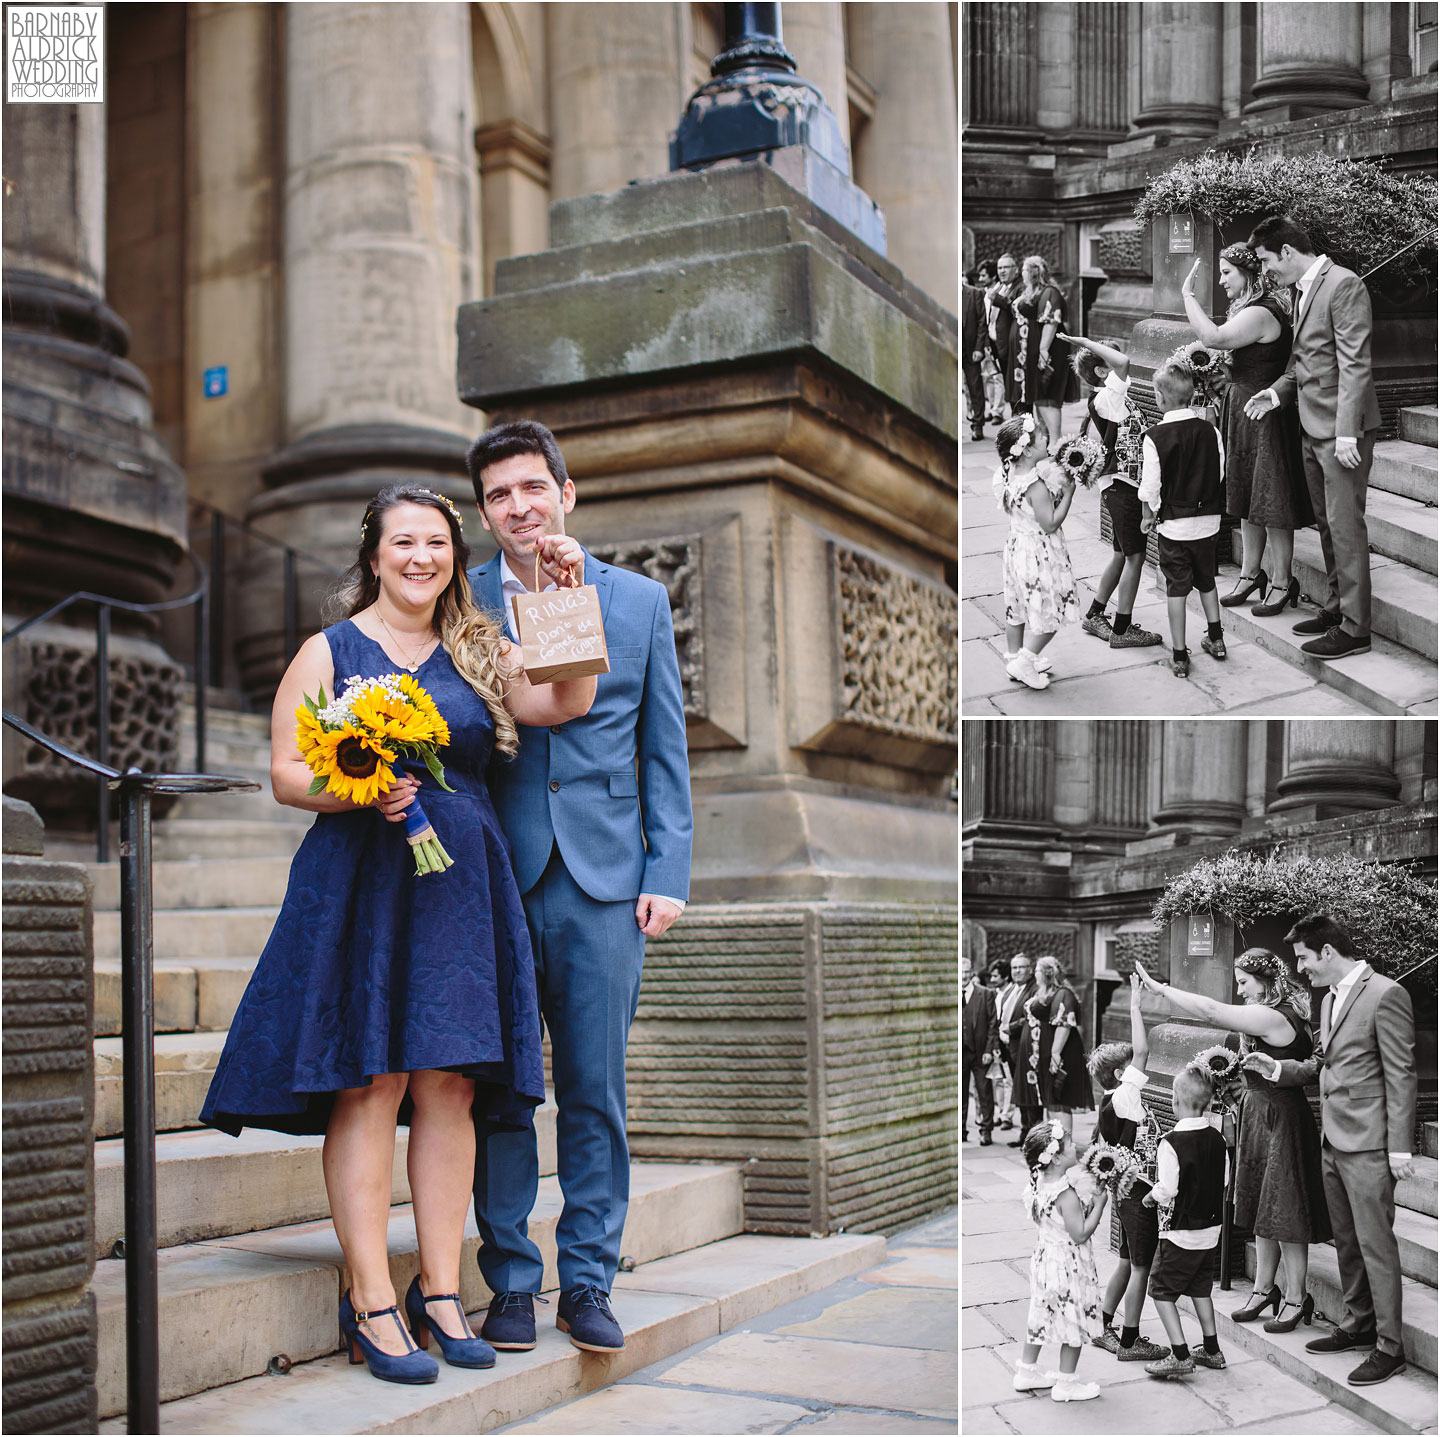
1030, 1377
1041, 660
1066, 1389
1022, 668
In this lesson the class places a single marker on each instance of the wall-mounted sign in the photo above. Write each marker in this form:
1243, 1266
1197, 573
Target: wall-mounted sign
1201, 941
1182, 234
217, 381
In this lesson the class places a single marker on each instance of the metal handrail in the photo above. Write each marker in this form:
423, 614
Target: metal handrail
137, 1040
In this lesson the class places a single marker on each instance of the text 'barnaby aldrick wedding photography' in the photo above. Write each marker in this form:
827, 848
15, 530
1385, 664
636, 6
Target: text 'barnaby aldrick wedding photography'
55, 54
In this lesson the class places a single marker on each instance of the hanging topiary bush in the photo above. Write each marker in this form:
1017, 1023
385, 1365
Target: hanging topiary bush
1387, 910
1354, 211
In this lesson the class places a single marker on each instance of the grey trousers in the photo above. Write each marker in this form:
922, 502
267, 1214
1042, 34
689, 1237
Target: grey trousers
1337, 495
1361, 1196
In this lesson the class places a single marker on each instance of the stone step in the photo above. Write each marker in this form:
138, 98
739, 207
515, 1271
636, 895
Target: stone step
1390, 679
191, 994
256, 807
183, 839
209, 1185
1418, 1318
1402, 599
1406, 1403
184, 1065
1417, 1192
664, 1306
1402, 530
1418, 424
195, 883
1416, 1235
238, 932
228, 1306
1400, 467
1430, 1140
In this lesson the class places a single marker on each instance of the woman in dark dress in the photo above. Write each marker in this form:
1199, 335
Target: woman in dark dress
1264, 474
383, 994
1056, 1057
1279, 1191
1042, 357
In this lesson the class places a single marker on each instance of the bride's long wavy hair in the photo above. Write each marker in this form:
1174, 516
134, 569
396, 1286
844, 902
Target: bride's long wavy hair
1269, 969
470, 636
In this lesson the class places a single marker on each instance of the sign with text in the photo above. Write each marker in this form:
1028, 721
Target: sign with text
1182, 234
561, 635
217, 381
55, 54
1201, 941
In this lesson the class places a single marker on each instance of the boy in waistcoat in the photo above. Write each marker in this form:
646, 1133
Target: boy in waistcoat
1192, 1166
1182, 485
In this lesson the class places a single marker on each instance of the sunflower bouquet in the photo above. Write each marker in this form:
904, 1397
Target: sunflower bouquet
350, 741
1082, 456
1109, 1164
1209, 366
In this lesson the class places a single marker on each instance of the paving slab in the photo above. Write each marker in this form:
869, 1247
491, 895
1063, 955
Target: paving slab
943, 1231
992, 1282
975, 623
645, 1408
987, 1381
862, 1424
922, 1317
976, 1329
979, 1218
917, 1267
1148, 691
850, 1374
1010, 1317
1252, 1390
1319, 1422
1148, 1406
982, 671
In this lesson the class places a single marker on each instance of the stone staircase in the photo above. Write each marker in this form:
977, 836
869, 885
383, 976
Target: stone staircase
1398, 676
250, 1272
1405, 1403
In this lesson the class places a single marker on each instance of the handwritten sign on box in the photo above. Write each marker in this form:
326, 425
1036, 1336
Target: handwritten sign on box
561, 634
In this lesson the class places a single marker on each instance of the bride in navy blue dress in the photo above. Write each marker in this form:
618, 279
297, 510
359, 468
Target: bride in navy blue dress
384, 995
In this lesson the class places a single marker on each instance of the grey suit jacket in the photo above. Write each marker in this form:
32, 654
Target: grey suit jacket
1366, 1070
1329, 374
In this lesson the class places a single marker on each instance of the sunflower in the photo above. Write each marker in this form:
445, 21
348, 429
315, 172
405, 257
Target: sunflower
352, 764
393, 718
308, 731
1218, 1064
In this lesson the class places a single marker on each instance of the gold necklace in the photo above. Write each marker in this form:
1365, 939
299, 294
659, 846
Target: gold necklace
411, 663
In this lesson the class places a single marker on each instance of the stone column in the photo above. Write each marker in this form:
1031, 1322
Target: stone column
1019, 774
1202, 777
1180, 70
906, 158
1121, 775
612, 89
1336, 766
1310, 58
1001, 54
380, 248
814, 33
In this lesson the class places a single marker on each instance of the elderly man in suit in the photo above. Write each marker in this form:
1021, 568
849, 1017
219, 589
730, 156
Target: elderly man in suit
1365, 1060
1330, 378
1015, 1034
974, 341
979, 1043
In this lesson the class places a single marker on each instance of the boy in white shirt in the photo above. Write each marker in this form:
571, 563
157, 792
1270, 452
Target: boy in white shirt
1182, 486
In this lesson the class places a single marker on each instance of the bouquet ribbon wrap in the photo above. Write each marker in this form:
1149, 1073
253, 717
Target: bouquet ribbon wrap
430, 855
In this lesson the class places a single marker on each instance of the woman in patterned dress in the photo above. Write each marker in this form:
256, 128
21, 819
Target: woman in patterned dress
1057, 1051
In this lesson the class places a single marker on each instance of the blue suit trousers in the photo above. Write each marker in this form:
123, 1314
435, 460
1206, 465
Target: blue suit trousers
588, 961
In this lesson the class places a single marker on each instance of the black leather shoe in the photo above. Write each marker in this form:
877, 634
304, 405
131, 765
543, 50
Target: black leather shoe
585, 1314
1245, 585
1337, 644
510, 1323
985, 1140
1326, 619
1018, 1143
1376, 1368
1342, 1341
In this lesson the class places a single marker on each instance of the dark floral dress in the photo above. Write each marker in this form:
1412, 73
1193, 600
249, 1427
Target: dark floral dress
1035, 567
1069, 1090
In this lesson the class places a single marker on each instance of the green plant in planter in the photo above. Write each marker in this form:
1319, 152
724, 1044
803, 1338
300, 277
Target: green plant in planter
1354, 211
1388, 911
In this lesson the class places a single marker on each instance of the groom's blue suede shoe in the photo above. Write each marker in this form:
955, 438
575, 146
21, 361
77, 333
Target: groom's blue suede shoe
585, 1314
510, 1323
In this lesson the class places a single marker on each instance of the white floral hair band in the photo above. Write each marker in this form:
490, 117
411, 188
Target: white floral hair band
1027, 426
1049, 1151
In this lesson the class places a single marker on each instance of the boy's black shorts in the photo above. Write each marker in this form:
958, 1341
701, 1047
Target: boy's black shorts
1122, 503
1187, 564
1178, 1272
1139, 1228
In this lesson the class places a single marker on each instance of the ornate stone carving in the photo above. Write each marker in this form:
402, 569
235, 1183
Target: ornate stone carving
991, 244
1122, 251
60, 701
675, 562
897, 647
1005, 943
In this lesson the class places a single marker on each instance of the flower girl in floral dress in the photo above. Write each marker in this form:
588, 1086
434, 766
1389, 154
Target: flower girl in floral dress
1035, 493
1064, 1286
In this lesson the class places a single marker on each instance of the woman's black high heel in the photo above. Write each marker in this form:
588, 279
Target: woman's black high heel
1244, 587
1303, 1313
1291, 596
1252, 1309
413, 1367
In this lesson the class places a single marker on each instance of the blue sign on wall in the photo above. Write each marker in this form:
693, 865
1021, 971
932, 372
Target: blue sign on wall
217, 381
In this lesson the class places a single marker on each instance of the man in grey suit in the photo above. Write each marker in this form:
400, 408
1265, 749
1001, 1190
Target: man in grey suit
1330, 378
1365, 1060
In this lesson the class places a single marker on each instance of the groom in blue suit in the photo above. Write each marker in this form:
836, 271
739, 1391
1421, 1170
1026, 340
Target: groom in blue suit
597, 812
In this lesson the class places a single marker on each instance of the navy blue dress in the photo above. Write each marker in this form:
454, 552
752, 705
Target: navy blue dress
373, 969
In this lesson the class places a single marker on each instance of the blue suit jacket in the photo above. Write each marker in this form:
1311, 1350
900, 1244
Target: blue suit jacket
620, 834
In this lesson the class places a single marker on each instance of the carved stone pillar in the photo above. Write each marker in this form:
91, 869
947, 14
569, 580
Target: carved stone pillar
1002, 56
1017, 778
380, 249
1202, 777
1337, 766
1310, 57
1180, 70
906, 155
1101, 65
1121, 775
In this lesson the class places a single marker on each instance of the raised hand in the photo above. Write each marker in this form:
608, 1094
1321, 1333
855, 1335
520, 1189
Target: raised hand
1189, 286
